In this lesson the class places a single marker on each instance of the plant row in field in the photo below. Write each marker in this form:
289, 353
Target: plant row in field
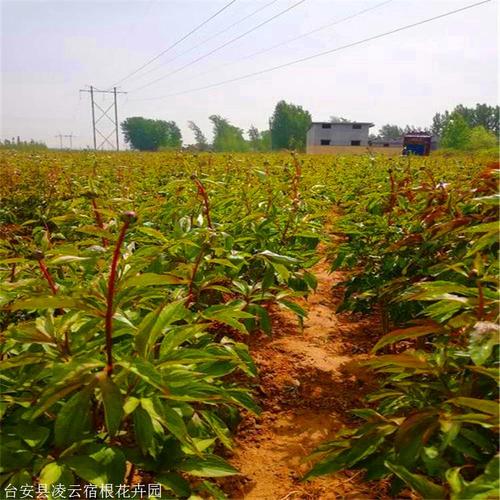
124, 317
423, 253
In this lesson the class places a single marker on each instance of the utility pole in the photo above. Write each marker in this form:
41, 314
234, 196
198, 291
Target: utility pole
70, 136
104, 114
116, 120
93, 114
60, 140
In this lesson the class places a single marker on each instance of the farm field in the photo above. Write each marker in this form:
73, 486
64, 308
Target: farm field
261, 326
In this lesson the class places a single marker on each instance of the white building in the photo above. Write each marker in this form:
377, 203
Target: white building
337, 134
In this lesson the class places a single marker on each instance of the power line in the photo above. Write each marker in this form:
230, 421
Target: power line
206, 40
220, 46
147, 63
290, 40
320, 54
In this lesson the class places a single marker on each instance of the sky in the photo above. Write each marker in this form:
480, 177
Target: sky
52, 49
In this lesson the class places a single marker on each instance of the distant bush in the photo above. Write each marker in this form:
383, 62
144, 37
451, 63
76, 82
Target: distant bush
480, 138
22, 145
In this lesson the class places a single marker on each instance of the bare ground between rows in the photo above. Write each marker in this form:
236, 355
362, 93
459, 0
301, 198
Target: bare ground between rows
305, 396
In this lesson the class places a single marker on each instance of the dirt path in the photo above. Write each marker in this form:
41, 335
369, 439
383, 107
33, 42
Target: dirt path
304, 395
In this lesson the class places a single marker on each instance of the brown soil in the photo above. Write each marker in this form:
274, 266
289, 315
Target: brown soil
305, 395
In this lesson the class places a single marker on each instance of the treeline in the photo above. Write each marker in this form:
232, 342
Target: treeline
467, 128
17, 143
287, 130
462, 128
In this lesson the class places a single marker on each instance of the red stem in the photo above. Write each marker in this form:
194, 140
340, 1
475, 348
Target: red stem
99, 221
110, 297
203, 193
47, 276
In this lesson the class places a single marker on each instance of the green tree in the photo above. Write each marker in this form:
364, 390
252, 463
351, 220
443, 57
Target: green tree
199, 137
389, 131
438, 123
227, 137
480, 138
456, 133
259, 141
289, 125
482, 115
149, 135
265, 140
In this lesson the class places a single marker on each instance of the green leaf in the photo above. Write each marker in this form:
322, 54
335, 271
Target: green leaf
219, 427
413, 433
73, 419
153, 325
406, 333
112, 461
32, 434
143, 429
487, 372
22, 360
66, 259
55, 473
173, 482
228, 316
311, 280
87, 468
418, 482
150, 279
211, 466
177, 335
489, 407
282, 271
147, 372
113, 404
404, 360
328, 465
175, 424
50, 302
275, 257
294, 307
215, 492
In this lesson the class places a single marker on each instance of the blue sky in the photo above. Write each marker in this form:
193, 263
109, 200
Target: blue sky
51, 49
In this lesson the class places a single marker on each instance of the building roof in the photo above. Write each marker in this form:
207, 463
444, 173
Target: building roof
418, 134
370, 124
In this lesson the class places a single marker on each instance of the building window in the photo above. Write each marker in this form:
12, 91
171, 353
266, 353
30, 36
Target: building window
326, 125
357, 126
355, 143
325, 142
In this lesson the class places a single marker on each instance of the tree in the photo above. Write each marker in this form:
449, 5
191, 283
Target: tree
482, 115
259, 141
265, 140
390, 132
456, 133
199, 137
254, 136
289, 125
438, 123
148, 135
480, 138
227, 137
